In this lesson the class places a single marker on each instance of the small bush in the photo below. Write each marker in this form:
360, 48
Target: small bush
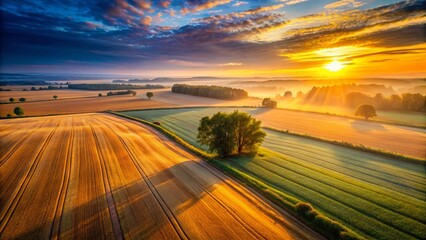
100, 95
9, 115
329, 226
310, 215
303, 207
157, 123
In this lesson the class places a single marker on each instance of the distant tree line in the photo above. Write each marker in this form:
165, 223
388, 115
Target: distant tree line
121, 93
349, 96
210, 91
22, 82
108, 86
404, 102
335, 94
47, 88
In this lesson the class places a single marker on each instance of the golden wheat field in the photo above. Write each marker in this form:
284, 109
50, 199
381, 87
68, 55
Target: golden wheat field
100, 176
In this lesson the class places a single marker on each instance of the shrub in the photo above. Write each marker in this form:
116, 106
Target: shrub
303, 207
18, 111
55, 97
150, 95
11, 99
329, 226
157, 123
100, 95
22, 99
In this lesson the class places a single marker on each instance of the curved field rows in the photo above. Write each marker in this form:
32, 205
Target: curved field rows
99, 176
378, 197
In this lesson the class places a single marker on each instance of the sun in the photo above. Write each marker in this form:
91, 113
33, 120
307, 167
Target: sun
334, 66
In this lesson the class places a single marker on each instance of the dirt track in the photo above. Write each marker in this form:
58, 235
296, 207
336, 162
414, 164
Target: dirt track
98, 176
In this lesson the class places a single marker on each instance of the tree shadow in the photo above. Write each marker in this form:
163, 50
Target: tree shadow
140, 211
366, 126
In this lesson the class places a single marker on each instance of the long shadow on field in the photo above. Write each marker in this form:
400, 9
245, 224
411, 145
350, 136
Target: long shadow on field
139, 211
365, 127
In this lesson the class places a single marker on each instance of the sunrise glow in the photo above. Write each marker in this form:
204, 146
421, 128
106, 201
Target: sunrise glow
334, 66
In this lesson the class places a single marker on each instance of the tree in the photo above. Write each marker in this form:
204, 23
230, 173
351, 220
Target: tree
150, 95
100, 95
366, 111
216, 132
248, 135
269, 103
22, 99
224, 133
288, 94
33, 89
55, 97
11, 99
9, 115
18, 111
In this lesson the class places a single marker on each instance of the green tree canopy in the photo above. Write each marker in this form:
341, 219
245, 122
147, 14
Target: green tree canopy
18, 111
11, 99
366, 111
55, 97
22, 99
150, 95
226, 133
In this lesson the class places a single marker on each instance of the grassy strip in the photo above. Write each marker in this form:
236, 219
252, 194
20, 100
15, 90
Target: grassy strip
363, 148
324, 225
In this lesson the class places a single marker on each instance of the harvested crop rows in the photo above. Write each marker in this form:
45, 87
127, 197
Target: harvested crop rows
98, 176
378, 197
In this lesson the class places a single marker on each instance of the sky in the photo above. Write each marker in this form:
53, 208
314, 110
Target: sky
223, 38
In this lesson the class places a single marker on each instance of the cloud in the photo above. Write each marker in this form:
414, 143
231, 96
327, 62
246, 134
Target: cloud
344, 3
231, 64
115, 33
199, 5
239, 3
292, 2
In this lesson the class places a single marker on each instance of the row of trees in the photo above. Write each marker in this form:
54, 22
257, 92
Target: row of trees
210, 91
108, 86
405, 102
225, 133
45, 88
20, 99
120, 93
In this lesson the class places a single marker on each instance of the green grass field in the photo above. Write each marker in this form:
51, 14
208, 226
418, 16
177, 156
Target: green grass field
377, 197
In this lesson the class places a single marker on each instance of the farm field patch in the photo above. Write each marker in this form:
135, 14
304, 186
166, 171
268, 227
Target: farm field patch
81, 105
90, 176
378, 197
392, 138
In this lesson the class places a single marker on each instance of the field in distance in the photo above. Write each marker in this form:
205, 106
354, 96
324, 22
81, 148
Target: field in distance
100, 176
378, 197
392, 138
